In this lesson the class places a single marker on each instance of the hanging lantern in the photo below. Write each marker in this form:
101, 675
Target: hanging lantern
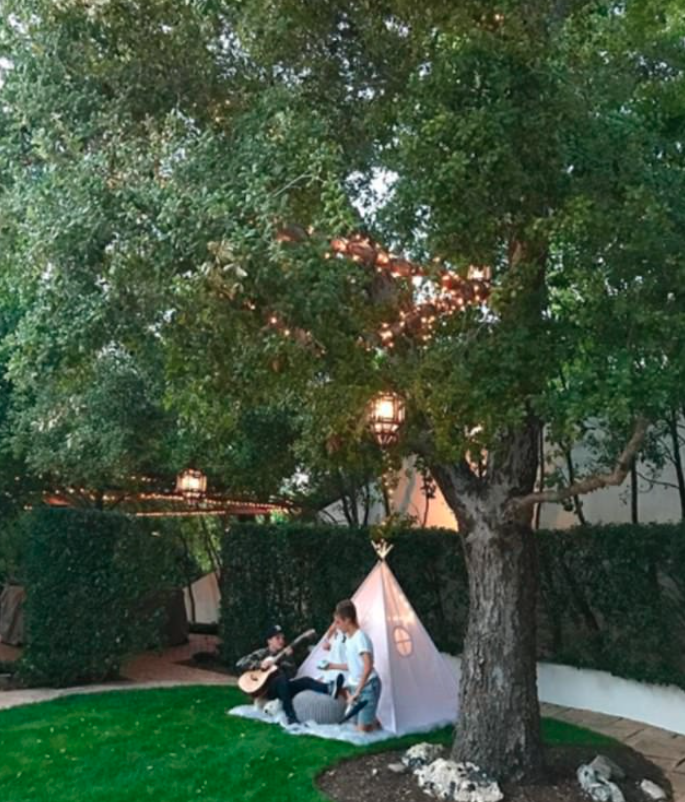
191, 484
386, 416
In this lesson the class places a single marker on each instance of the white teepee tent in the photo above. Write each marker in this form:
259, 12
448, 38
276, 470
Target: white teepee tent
419, 687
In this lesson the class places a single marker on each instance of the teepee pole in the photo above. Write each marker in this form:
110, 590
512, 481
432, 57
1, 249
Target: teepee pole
382, 548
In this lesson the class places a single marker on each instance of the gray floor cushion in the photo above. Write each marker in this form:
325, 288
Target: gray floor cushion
318, 707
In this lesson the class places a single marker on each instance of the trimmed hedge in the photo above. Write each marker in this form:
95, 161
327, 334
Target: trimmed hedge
10, 548
611, 597
294, 574
89, 575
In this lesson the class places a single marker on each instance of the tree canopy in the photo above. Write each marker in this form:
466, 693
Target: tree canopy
151, 155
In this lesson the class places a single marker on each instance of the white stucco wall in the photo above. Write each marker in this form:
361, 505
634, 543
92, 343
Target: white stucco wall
585, 689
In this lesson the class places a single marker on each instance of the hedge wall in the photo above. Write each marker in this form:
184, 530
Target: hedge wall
611, 597
88, 576
10, 548
294, 575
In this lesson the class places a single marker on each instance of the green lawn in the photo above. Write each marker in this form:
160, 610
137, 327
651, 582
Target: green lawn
172, 745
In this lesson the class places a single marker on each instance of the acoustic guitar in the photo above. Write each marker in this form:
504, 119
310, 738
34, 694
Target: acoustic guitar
254, 682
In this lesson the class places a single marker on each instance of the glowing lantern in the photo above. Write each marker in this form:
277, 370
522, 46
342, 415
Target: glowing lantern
191, 484
386, 416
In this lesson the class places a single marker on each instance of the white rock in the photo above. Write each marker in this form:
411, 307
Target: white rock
616, 793
421, 755
607, 769
599, 792
398, 768
460, 782
586, 776
597, 787
652, 790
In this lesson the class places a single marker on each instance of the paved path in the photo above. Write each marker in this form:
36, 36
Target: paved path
148, 670
162, 670
165, 666
662, 747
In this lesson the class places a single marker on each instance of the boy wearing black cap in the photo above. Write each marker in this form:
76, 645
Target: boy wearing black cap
282, 683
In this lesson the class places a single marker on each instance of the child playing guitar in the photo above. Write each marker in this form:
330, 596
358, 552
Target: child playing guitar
281, 683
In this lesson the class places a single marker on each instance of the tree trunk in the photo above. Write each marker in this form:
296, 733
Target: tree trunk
541, 462
577, 503
367, 503
677, 460
634, 490
347, 512
499, 717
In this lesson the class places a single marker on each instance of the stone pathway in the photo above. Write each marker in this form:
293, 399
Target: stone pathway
164, 666
664, 748
148, 670
162, 670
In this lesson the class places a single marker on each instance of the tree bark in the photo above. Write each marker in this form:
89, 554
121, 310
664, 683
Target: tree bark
677, 460
541, 468
577, 503
499, 717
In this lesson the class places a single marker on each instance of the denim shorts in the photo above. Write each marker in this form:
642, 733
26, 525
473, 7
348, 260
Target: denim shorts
370, 693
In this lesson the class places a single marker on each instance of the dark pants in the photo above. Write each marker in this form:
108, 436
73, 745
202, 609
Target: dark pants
280, 687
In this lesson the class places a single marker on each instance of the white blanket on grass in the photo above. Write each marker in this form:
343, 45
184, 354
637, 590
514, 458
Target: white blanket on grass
335, 732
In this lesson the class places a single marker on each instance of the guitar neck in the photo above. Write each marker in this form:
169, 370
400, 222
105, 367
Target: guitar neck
296, 642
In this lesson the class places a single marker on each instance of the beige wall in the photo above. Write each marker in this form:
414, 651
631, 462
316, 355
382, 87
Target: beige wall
407, 499
657, 504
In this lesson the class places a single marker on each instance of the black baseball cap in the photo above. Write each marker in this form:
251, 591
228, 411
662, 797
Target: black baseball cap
272, 631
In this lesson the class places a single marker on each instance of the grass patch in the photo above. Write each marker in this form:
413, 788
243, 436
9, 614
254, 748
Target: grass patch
173, 745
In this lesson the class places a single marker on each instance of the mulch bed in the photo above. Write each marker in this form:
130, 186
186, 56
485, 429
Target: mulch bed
368, 779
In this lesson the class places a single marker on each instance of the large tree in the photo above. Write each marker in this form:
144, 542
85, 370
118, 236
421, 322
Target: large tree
193, 174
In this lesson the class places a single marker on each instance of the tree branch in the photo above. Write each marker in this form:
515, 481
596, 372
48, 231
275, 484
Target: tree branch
651, 482
591, 483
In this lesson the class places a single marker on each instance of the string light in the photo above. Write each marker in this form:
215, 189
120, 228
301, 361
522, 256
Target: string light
420, 320
211, 505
